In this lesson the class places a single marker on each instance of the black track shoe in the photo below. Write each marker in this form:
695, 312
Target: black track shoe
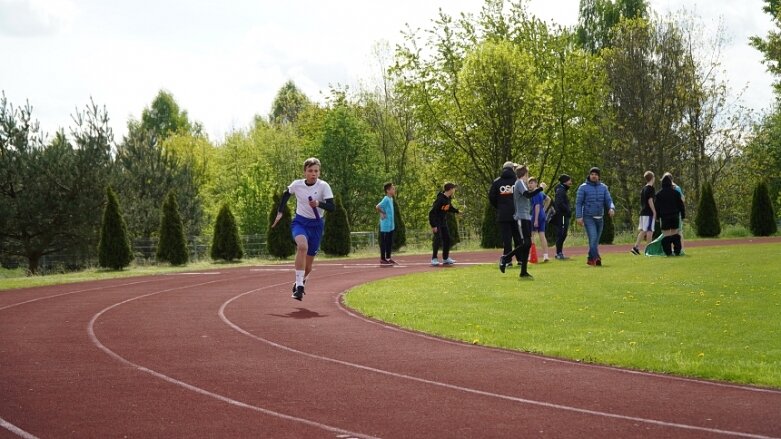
299, 294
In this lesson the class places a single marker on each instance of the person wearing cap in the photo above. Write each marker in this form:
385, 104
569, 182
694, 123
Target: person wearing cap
560, 220
437, 219
500, 195
592, 200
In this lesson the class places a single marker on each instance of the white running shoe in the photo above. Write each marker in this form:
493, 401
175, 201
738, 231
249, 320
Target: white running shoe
449, 261
434, 262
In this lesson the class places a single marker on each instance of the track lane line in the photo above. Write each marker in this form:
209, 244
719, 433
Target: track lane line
656, 422
73, 292
199, 390
16, 430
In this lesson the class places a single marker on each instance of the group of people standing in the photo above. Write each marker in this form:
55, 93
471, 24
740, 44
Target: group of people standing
520, 211
667, 205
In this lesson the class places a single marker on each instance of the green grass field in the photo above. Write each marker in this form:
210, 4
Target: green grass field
714, 314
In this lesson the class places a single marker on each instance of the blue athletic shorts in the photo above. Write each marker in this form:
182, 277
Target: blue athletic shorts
311, 228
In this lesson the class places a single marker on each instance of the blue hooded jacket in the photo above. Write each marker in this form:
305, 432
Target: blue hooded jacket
593, 199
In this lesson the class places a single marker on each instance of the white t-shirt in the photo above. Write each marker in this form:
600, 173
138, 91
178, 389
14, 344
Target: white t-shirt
319, 191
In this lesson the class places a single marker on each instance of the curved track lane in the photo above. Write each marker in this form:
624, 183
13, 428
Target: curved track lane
227, 353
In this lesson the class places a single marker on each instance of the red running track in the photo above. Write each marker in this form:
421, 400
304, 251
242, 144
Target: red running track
226, 353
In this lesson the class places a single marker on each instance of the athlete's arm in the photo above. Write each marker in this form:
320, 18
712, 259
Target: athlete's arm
283, 201
328, 205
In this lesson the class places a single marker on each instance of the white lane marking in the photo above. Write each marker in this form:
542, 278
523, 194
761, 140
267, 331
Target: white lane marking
74, 292
16, 430
166, 378
400, 264
191, 273
241, 330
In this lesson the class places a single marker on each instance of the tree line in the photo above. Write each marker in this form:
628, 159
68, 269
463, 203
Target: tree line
624, 89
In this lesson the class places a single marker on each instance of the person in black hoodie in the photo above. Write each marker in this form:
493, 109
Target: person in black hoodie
437, 219
561, 218
671, 210
500, 195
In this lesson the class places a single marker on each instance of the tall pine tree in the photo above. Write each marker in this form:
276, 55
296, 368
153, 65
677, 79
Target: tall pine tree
400, 230
114, 250
172, 246
226, 244
336, 237
489, 232
279, 243
609, 231
707, 221
763, 219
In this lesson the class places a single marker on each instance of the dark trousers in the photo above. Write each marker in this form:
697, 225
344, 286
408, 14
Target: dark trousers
561, 223
521, 252
441, 238
386, 244
509, 232
672, 244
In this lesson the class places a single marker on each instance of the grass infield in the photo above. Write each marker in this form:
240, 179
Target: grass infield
712, 314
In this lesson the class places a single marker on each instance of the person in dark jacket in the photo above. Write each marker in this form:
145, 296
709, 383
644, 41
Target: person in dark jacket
500, 195
671, 210
437, 219
561, 218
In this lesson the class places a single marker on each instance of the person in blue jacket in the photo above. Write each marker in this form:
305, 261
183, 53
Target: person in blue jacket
592, 200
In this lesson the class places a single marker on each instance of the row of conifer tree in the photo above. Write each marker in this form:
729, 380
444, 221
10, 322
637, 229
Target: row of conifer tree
115, 251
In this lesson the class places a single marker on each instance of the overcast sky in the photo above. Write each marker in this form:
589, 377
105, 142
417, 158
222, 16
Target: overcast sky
224, 60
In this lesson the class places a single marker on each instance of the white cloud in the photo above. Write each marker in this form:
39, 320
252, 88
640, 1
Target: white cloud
27, 18
225, 61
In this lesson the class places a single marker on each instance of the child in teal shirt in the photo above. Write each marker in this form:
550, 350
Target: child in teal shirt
387, 224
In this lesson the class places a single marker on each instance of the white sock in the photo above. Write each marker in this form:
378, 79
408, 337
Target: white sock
299, 278
544, 256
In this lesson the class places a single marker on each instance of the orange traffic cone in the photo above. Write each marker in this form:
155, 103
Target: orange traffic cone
533, 254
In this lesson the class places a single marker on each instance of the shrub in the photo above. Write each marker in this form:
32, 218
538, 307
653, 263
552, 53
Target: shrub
489, 230
400, 231
763, 219
707, 222
114, 250
336, 237
226, 244
172, 246
279, 243
609, 231
453, 226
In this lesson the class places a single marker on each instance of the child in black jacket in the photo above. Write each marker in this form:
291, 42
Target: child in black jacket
671, 210
437, 219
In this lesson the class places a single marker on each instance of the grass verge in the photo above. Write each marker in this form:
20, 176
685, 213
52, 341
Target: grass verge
711, 314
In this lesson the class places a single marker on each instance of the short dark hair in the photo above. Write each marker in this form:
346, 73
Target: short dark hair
387, 186
521, 170
449, 186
